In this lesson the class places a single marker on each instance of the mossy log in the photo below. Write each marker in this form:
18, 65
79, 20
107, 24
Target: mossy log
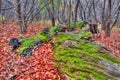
84, 61
38, 39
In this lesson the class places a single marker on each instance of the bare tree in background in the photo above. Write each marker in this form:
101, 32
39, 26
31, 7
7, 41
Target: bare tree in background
20, 19
76, 12
109, 15
27, 11
25, 14
105, 12
51, 11
0, 5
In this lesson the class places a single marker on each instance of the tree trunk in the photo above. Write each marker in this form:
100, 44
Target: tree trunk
20, 19
69, 21
103, 15
53, 14
76, 10
19, 16
94, 10
108, 30
0, 5
108, 25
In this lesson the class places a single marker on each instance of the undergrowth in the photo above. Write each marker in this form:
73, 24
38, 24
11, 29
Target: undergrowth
78, 24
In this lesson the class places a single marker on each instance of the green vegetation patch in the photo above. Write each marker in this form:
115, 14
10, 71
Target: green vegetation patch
78, 24
2, 18
42, 36
85, 34
81, 62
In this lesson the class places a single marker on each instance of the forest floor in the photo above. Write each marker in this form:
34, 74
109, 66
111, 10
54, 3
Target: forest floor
112, 42
36, 67
39, 66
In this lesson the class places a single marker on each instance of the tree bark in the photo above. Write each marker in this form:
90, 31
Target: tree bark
69, 21
0, 5
76, 10
53, 15
108, 30
20, 22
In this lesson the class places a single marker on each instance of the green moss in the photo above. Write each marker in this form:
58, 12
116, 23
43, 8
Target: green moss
80, 24
2, 18
54, 30
110, 58
70, 25
98, 75
85, 34
28, 42
42, 36
81, 62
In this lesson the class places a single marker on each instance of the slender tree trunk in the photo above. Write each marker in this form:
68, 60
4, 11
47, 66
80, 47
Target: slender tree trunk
53, 14
20, 17
0, 5
69, 21
103, 15
94, 10
76, 11
108, 30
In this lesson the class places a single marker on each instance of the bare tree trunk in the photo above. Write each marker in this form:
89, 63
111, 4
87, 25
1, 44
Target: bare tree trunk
69, 21
20, 22
53, 15
94, 10
0, 5
76, 11
51, 12
103, 15
108, 30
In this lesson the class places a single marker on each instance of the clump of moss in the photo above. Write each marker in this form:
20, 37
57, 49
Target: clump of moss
81, 62
54, 30
85, 34
78, 24
2, 18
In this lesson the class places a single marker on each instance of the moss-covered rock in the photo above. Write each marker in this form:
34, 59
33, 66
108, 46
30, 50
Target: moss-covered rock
70, 43
83, 62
